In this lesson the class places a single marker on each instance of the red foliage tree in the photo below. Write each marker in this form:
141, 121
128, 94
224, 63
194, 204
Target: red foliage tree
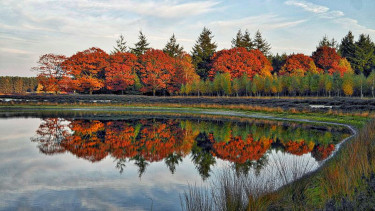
326, 57
87, 69
298, 64
239, 61
120, 71
156, 70
50, 71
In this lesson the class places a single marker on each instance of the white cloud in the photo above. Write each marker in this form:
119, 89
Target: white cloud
321, 11
308, 6
353, 25
163, 9
265, 22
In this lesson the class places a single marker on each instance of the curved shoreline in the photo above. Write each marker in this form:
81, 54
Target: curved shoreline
217, 112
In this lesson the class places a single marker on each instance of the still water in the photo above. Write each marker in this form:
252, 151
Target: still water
146, 162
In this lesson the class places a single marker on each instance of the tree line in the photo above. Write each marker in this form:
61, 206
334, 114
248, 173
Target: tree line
248, 68
15, 84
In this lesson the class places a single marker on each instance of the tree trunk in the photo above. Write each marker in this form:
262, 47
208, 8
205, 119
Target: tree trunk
153, 92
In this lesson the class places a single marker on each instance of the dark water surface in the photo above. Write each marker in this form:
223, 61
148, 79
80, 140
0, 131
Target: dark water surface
144, 162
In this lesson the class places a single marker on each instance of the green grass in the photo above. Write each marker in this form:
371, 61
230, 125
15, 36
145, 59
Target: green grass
354, 120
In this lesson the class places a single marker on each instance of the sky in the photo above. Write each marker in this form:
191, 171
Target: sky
31, 28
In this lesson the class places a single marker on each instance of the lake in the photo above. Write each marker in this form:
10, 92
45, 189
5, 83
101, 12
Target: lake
146, 161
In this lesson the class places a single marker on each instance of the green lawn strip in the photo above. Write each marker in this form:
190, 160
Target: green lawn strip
356, 121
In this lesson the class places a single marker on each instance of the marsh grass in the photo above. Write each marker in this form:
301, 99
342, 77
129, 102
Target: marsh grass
340, 177
230, 190
338, 180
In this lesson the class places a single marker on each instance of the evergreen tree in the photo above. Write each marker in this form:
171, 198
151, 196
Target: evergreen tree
242, 40
202, 53
120, 45
326, 42
261, 44
172, 48
141, 46
347, 47
364, 57
278, 61
246, 41
237, 41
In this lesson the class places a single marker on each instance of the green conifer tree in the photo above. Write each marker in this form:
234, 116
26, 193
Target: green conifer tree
261, 44
202, 53
141, 46
172, 48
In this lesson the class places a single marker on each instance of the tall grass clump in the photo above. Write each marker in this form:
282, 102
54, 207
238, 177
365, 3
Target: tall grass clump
230, 190
341, 177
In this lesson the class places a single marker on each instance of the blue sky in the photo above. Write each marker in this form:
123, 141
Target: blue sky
31, 28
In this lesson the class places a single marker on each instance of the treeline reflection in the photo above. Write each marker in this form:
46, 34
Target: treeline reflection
144, 141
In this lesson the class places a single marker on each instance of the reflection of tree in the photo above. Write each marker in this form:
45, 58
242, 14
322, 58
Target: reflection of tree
239, 150
141, 162
87, 141
51, 132
172, 161
153, 140
299, 147
120, 164
322, 152
202, 156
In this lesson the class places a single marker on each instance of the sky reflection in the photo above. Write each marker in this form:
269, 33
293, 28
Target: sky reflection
67, 180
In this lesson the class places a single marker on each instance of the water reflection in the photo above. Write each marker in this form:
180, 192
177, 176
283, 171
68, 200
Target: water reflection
247, 146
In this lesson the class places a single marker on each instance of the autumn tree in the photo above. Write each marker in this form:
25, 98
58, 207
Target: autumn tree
297, 62
120, 72
87, 69
326, 58
120, 45
184, 72
50, 71
347, 84
261, 44
172, 48
239, 62
202, 53
156, 69
141, 46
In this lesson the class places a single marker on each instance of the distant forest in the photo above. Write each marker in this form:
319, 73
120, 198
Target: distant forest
15, 84
345, 68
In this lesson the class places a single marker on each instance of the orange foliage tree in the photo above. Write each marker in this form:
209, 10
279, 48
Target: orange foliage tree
87, 69
239, 61
327, 58
298, 64
120, 72
184, 72
156, 70
50, 71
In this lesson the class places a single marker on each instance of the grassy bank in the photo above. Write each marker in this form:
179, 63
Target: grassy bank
341, 177
357, 119
345, 182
